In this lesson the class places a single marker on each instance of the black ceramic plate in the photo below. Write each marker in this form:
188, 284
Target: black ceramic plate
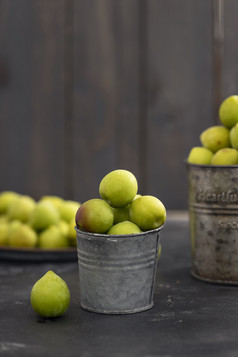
38, 254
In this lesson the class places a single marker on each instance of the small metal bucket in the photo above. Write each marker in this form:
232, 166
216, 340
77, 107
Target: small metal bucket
213, 215
117, 273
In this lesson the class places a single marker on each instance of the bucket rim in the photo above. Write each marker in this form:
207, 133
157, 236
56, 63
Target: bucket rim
188, 164
120, 236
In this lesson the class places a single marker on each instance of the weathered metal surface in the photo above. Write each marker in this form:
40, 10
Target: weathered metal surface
117, 273
213, 214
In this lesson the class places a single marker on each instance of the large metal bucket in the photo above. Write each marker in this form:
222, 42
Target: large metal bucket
117, 273
213, 213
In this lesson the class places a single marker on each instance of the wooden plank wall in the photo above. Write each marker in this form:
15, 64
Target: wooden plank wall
88, 86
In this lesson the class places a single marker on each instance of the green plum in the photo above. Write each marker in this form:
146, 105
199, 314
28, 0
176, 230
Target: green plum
234, 136
22, 235
6, 198
55, 200
64, 227
94, 215
215, 138
21, 208
43, 215
228, 111
68, 210
147, 212
14, 225
121, 214
4, 228
226, 156
118, 188
125, 227
4, 218
200, 156
52, 238
50, 296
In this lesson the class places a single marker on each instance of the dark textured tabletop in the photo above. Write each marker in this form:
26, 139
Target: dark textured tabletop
189, 317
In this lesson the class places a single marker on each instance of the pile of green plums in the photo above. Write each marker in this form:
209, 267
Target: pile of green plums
219, 143
47, 223
120, 209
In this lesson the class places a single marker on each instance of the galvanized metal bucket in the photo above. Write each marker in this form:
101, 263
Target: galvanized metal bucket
213, 214
117, 273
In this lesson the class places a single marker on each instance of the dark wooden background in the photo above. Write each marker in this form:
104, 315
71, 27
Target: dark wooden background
88, 86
